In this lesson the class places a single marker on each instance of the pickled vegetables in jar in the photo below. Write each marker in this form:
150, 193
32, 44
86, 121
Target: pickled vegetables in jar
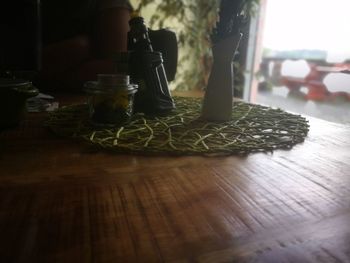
110, 99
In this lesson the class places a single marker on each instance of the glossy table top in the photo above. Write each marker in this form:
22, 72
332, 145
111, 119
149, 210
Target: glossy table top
61, 201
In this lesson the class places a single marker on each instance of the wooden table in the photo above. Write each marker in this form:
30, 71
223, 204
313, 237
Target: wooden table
62, 202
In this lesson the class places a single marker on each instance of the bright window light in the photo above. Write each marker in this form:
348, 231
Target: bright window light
309, 25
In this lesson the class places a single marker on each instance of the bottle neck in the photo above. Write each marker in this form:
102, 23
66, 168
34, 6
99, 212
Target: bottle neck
139, 35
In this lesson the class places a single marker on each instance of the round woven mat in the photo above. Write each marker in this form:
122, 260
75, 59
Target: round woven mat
253, 128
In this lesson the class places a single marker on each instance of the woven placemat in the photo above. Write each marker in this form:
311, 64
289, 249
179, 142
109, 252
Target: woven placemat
253, 128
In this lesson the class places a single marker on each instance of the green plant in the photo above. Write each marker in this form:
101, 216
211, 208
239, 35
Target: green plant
194, 22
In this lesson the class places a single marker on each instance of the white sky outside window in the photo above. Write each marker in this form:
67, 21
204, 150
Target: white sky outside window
309, 24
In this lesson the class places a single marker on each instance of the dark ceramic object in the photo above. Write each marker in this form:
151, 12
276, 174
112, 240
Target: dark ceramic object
13, 96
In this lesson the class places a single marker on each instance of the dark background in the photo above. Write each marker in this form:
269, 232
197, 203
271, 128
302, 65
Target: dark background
20, 42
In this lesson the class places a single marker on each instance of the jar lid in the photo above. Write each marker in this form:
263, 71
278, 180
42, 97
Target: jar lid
20, 87
113, 79
14, 83
109, 82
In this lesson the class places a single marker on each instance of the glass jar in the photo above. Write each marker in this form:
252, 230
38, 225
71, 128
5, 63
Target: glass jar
13, 96
110, 99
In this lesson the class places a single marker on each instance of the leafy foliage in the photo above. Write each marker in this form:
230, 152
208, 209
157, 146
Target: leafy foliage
195, 22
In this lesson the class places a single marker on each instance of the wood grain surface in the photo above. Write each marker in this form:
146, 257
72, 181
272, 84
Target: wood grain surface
61, 201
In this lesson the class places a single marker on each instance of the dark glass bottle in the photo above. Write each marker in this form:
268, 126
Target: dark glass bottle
147, 70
